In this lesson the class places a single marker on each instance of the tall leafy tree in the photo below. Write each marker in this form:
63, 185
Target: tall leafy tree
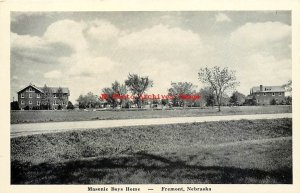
46, 97
179, 89
138, 85
60, 95
207, 96
108, 94
237, 98
88, 101
119, 89
219, 79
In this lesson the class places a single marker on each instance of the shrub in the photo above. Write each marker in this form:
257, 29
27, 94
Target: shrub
273, 102
14, 105
35, 108
70, 105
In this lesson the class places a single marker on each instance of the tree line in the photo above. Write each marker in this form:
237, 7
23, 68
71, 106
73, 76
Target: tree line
217, 79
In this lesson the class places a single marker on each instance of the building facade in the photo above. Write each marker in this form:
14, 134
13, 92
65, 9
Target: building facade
34, 98
265, 94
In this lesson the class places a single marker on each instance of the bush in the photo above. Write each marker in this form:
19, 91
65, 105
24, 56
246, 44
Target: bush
288, 100
273, 102
35, 108
14, 105
70, 105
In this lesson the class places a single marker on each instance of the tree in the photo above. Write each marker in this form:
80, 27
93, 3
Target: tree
288, 100
179, 90
70, 105
92, 100
46, 97
60, 96
109, 96
207, 97
14, 105
237, 98
119, 89
288, 86
233, 99
138, 85
219, 79
88, 101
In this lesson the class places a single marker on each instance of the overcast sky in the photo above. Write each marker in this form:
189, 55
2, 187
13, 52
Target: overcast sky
87, 51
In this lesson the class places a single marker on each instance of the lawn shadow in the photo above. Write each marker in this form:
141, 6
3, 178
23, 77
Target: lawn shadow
140, 168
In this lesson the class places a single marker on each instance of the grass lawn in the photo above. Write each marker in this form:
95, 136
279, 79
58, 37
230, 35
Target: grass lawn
258, 151
48, 116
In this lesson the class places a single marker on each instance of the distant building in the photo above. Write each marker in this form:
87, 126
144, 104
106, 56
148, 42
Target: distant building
265, 94
31, 98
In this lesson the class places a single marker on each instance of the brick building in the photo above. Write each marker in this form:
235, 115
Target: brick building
265, 94
31, 97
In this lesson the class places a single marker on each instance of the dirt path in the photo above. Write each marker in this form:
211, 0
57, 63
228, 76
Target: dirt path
38, 128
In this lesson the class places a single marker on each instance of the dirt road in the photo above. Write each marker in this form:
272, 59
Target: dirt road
38, 128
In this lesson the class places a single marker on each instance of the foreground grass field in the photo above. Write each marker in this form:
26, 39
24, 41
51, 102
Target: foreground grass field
58, 116
242, 151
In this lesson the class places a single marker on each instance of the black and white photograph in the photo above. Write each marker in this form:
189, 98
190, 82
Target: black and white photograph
151, 97
108, 96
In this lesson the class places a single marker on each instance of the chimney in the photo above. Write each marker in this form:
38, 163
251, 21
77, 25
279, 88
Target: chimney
260, 87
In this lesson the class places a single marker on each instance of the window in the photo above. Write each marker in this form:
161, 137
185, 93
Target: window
38, 95
30, 102
54, 103
280, 94
30, 89
22, 102
22, 95
54, 95
257, 100
30, 95
264, 94
273, 94
63, 103
38, 103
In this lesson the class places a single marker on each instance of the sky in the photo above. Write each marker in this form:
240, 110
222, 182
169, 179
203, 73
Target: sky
87, 51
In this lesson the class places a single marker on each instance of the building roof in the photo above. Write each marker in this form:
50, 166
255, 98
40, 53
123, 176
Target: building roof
53, 89
268, 89
31, 85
